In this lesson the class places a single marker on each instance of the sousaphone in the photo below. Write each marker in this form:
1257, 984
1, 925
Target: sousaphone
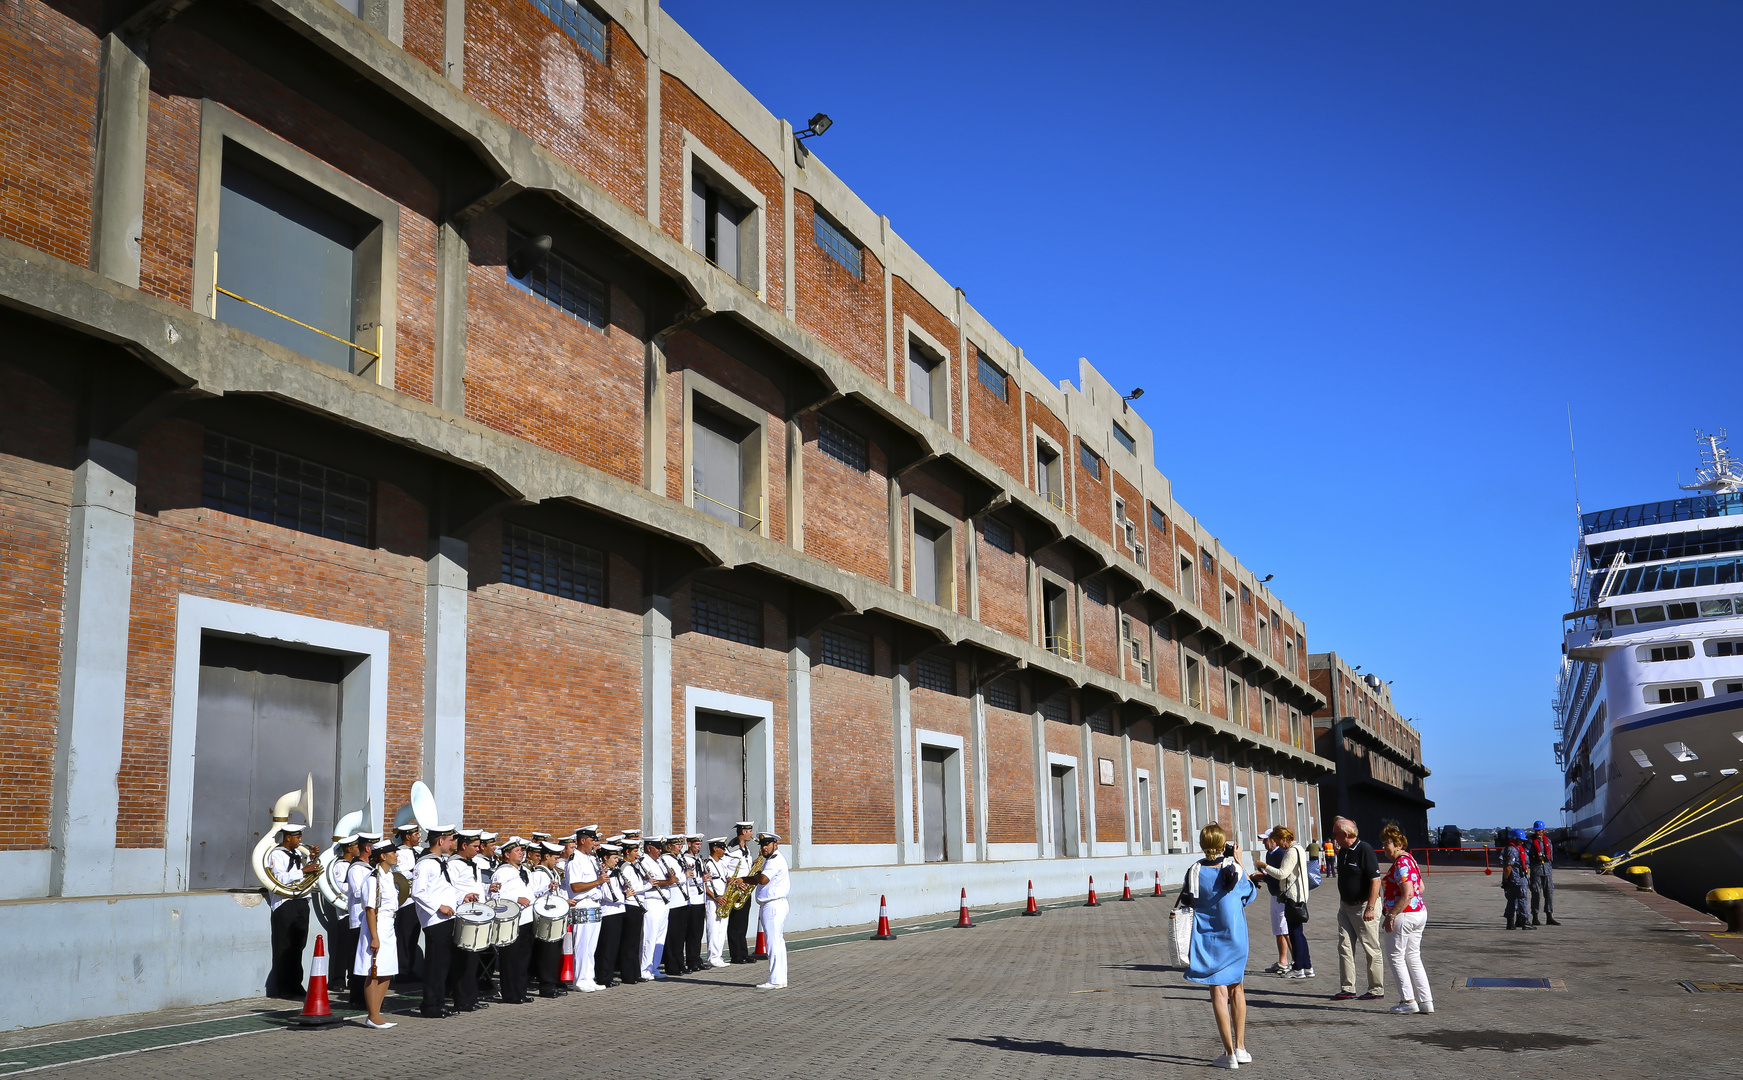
281, 812
421, 811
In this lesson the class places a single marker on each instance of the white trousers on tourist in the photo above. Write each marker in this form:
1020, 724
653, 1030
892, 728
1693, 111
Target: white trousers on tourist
716, 934
1404, 953
653, 936
774, 924
586, 944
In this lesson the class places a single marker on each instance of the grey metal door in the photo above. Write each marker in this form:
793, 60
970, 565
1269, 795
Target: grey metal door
926, 537
1060, 844
932, 804
1144, 812
714, 457
920, 380
1201, 813
268, 717
719, 774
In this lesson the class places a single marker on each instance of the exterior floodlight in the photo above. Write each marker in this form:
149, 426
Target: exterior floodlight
1268, 577
529, 255
1136, 393
817, 126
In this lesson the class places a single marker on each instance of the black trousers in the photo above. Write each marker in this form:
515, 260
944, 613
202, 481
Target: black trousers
693, 936
438, 958
411, 958
463, 978
677, 933
511, 965
290, 934
604, 958
736, 925
629, 949
549, 957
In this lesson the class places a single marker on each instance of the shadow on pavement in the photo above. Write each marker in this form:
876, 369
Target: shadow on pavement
1053, 1048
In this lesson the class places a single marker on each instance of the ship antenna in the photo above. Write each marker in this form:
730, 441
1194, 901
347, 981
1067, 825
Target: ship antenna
1574, 457
1718, 473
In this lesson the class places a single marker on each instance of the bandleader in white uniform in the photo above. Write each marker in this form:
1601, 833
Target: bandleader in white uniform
714, 880
584, 879
655, 902
773, 885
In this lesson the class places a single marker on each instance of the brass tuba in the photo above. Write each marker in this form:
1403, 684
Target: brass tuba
281, 812
737, 892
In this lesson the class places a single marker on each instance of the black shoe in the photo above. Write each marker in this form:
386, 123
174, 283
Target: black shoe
562, 993
1534, 921
483, 1004
547, 993
1550, 919
468, 1008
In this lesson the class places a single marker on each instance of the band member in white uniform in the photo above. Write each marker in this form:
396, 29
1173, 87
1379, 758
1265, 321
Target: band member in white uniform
635, 888
405, 920
290, 914
739, 856
483, 865
677, 907
515, 883
714, 880
610, 916
342, 939
772, 885
356, 883
656, 903
584, 880
463, 970
698, 892
377, 956
436, 897
548, 955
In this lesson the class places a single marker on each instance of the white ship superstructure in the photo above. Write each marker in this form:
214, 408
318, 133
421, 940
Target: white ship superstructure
1649, 711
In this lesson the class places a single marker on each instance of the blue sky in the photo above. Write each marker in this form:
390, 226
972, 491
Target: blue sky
1363, 257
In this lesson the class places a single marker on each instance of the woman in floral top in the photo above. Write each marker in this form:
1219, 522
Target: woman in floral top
1405, 916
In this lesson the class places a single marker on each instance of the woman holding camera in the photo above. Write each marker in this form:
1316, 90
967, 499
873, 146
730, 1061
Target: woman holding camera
1218, 893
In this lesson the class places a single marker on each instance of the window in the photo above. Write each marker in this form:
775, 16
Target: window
1158, 520
579, 22
992, 378
1680, 611
999, 535
1733, 687
1056, 621
1091, 460
932, 562
1188, 588
1001, 693
1264, 637
847, 649
717, 225
1097, 591
1237, 702
847, 447
1246, 596
562, 284
928, 382
1057, 708
1268, 713
1624, 616
936, 673
721, 614
1124, 438
1725, 648
1194, 683
1048, 481
1208, 563
1649, 614
263, 485
1712, 608
546, 564
1659, 654
1231, 615
833, 239
724, 466
1289, 654
1128, 527
1667, 695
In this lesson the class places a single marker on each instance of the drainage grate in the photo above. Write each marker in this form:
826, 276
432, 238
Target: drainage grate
1474, 983
1712, 987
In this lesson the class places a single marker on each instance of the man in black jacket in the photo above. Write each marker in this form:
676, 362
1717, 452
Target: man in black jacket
1358, 912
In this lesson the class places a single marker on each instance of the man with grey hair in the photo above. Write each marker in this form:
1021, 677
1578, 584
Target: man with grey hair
1358, 911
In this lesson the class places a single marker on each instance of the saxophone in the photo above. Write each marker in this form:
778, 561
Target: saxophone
737, 892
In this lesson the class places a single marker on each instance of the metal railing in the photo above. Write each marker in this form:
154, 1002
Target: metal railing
375, 355
1063, 645
1057, 498
755, 519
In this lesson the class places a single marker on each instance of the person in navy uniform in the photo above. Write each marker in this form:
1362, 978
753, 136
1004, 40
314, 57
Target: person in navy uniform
1541, 854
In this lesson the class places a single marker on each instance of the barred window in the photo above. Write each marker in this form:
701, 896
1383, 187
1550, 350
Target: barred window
721, 614
846, 649
847, 447
1158, 519
1091, 461
833, 239
1057, 707
935, 673
579, 22
263, 485
999, 535
1001, 693
992, 378
1097, 591
546, 564
563, 284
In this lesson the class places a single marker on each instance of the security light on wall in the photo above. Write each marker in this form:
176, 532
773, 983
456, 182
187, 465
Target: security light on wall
1266, 578
529, 255
817, 126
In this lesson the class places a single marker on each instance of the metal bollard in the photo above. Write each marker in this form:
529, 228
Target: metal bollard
1641, 876
1727, 904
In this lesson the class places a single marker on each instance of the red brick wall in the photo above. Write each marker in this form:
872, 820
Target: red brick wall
905, 300
415, 352
1163, 562
994, 426
1101, 636
946, 499
1110, 799
48, 96
1010, 780
423, 33
1004, 590
592, 116
172, 167
852, 754
846, 313
1041, 418
848, 510
1095, 500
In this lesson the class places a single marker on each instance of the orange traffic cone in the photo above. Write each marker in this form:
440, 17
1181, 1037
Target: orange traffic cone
1031, 909
316, 1012
1126, 890
884, 932
963, 922
567, 974
1093, 902
1158, 891
762, 952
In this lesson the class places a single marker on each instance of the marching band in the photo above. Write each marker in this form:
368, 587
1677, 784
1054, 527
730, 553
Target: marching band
497, 917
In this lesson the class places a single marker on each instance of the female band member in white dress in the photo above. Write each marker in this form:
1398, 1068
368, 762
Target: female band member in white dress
377, 946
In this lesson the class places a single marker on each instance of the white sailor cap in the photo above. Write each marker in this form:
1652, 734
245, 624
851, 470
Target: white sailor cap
487, 836
467, 835
347, 840
744, 824
632, 832
513, 842
694, 836
631, 842
588, 830
372, 837
555, 849
611, 849
768, 838
439, 830
614, 838
717, 842
541, 836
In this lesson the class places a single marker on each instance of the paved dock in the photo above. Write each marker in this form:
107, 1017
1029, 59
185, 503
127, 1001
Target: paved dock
1079, 992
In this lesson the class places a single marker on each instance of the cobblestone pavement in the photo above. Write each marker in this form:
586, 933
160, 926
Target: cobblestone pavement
1076, 993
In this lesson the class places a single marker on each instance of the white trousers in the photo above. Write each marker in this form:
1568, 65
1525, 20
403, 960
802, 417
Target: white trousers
716, 934
654, 920
1404, 953
586, 944
773, 920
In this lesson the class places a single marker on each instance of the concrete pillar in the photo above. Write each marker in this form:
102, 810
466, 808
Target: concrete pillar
118, 186
1161, 785
651, 16
657, 715
453, 255
795, 485
902, 730
971, 565
1130, 780
454, 41
93, 676
1089, 778
963, 373
890, 358
445, 596
654, 416
896, 534
799, 750
977, 747
1038, 733
789, 303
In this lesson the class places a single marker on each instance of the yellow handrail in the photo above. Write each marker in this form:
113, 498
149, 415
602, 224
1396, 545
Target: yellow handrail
217, 288
1063, 645
1057, 498
729, 506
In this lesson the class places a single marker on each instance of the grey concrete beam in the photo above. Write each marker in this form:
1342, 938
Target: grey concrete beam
445, 595
799, 749
656, 815
453, 259
902, 737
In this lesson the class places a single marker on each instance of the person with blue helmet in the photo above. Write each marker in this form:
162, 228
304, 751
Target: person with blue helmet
1541, 853
1515, 877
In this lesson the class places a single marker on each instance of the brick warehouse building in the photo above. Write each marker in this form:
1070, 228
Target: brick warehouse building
729, 505
1377, 753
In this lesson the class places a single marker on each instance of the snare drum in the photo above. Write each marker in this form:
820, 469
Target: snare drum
579, 915
550, 918
507, 924
473, 925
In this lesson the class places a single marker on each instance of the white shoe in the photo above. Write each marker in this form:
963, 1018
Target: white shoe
1274, 969
1225, 1061
383, 1026
589, 987
1295, 973
771, 986
1405, 1007
1242, 1056
718, 963
1425, 1006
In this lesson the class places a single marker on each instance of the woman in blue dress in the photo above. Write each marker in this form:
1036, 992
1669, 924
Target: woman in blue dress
1218, 958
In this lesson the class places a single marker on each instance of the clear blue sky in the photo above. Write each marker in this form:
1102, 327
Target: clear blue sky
1363, 257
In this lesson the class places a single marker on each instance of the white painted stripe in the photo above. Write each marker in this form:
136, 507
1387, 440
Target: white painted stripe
131, 1031
126, 1053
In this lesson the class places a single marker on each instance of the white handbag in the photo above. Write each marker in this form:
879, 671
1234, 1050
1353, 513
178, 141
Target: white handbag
1180, 922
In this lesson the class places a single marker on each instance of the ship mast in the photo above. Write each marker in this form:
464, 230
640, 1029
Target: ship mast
1718, 473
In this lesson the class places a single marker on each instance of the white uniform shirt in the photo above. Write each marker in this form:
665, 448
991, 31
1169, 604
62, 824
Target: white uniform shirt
778, 885
432, 890
516, 882
672, 866
693, 880
542, 881
286, 868
635, 887
651, 871
610, 896
482, 867
405, 866
357, 876
714, 879
582, 867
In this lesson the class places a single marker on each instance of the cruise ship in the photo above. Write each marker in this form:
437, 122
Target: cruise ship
1649, 709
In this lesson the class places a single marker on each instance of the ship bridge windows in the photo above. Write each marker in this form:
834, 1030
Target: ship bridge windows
1668, 694
1649, 614
1644, 549
1641, 579
1658, 654
1714, 608
1726, 647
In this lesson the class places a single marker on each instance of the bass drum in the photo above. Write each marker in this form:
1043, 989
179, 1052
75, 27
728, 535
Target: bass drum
550, 918
507, 924
473, 924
